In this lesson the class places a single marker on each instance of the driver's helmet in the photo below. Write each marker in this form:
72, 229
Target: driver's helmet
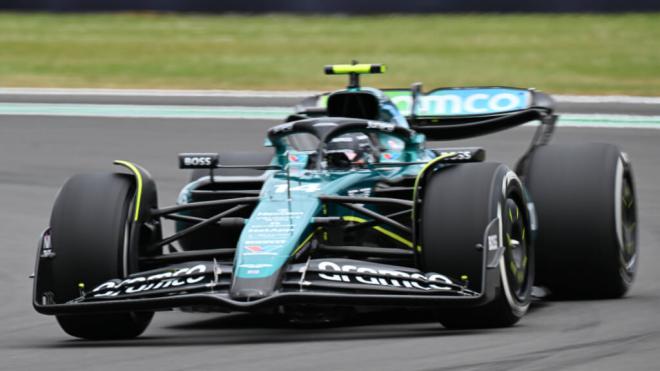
358, 148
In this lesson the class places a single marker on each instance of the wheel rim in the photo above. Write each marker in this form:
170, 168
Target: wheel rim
628, 248
516, 254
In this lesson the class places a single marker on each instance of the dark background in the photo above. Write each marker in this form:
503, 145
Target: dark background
337, 6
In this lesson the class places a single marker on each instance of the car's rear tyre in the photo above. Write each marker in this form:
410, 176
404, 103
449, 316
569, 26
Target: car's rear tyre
585, 200
89, 233
458, 204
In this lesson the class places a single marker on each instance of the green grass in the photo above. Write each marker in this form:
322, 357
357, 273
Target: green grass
592, 54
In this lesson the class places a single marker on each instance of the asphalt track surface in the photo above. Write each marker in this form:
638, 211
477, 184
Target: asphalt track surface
37, 154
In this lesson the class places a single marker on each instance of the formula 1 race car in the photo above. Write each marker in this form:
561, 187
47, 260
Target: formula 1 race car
350, 211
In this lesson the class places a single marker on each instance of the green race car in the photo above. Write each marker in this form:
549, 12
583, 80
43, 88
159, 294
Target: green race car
350, 210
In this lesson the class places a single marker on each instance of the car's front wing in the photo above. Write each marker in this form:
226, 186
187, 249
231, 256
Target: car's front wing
340, 282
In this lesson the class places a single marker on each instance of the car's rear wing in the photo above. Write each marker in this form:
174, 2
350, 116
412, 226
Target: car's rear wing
454, 113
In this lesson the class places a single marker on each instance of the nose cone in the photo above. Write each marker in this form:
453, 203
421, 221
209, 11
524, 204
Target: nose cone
251, 289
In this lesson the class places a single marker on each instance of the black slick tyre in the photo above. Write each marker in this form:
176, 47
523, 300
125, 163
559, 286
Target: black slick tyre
459, 202
89, 229
584, 197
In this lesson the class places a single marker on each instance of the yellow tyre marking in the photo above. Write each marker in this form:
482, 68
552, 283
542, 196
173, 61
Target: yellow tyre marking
138, 177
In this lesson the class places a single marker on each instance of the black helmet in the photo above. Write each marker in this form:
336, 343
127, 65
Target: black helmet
358, 148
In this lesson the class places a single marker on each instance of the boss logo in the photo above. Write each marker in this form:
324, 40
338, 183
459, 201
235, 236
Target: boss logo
198, 160
459, 155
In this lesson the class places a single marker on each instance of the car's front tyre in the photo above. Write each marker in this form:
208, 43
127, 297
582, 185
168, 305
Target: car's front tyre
89, 229
459, 202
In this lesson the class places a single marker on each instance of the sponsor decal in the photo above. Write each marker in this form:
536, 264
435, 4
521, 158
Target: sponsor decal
254, 269
325, 124
348, 273
493, 242
307, 188
179, 277
47, 247
296, 161
258, 249
254, 248
380, 126
460, 155
395, 144
255, 265
463, 101
198, 160
264, 229
343, 139
391, 156
269, 232
361, 192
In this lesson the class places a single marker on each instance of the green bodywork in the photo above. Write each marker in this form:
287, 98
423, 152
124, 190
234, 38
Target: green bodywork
279, 224
282, 221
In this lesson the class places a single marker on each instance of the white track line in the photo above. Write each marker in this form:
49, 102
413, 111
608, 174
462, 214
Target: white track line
263, 113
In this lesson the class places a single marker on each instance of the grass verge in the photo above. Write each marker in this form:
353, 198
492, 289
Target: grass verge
581, 54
